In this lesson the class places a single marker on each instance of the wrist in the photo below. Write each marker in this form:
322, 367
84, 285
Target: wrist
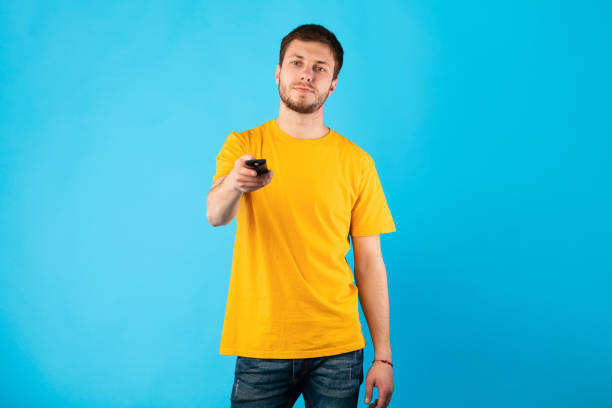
232, 183
383, 361
382, 354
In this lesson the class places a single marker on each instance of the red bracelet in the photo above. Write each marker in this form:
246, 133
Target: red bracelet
384, 361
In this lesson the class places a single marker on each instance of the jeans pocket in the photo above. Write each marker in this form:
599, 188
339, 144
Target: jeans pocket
359, 366
339, 376
261, 379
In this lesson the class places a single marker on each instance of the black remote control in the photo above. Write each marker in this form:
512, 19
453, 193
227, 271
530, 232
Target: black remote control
259, 165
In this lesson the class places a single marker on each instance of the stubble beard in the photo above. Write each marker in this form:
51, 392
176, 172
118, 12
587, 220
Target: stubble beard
299, 104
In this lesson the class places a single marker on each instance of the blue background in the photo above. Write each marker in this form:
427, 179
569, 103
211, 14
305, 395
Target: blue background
489, 123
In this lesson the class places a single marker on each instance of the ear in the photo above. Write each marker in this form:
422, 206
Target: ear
332, 87
277, 74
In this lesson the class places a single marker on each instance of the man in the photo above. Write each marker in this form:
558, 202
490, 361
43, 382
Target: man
292, 315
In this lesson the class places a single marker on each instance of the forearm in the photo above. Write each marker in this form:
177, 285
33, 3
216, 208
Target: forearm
222, 203
374, 299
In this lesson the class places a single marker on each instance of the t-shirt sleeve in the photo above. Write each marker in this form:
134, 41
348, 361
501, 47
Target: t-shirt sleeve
232, 149
370, 214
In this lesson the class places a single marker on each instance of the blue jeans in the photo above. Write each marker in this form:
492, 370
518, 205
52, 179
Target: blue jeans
325, 382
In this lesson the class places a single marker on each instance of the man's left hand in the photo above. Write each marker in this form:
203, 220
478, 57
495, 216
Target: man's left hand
380, 375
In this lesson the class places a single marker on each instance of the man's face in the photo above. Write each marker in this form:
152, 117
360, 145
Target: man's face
308, 65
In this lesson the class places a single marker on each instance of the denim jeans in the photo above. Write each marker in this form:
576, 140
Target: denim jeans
325, 382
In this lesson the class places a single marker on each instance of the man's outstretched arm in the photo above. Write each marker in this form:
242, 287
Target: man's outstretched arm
224, 197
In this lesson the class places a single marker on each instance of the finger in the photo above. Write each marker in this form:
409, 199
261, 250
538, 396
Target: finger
384, 400
368, 392
247, 171
250, 185
248, 180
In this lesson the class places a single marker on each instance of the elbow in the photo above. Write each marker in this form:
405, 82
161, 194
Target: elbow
215, 217
212, 221
209, 216
215, 222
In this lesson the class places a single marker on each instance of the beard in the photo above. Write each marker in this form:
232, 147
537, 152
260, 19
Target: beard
298, 103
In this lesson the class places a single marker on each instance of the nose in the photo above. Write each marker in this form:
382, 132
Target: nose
306, 75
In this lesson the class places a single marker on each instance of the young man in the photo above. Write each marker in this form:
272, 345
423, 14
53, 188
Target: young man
292, 317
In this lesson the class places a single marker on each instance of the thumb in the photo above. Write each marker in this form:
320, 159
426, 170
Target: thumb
240, 161
368, 391
245, 157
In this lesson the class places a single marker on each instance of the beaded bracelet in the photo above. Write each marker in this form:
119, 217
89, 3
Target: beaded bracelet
384, 361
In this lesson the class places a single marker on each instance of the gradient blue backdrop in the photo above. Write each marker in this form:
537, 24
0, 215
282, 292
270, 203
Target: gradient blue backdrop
490, 126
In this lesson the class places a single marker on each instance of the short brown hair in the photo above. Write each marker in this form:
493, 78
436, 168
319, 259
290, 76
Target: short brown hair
318, 33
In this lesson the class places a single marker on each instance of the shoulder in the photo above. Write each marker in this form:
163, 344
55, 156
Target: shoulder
354, 151
253, 133
257, 130
244, 137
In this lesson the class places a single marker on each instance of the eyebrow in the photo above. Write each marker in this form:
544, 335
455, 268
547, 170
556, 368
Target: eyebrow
318, 62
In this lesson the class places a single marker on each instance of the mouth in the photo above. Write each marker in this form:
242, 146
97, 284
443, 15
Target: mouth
302, 90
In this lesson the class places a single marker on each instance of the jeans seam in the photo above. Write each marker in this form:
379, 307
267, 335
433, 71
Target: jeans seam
236, 387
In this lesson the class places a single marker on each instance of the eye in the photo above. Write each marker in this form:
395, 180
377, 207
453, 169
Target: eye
295, 62
322, 69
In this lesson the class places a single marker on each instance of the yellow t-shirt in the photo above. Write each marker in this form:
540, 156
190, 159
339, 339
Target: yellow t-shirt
291, 291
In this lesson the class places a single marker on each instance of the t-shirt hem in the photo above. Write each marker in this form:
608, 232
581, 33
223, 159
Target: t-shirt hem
367, 233
252, 353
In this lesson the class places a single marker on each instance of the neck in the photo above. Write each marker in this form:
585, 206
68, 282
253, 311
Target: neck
301, 125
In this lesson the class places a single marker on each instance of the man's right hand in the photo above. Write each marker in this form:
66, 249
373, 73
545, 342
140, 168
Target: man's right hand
245, 179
